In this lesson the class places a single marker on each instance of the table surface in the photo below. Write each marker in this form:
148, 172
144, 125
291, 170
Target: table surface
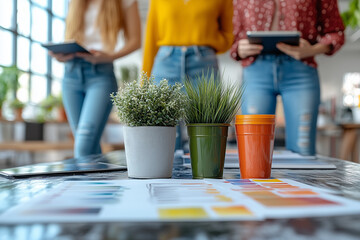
345, 180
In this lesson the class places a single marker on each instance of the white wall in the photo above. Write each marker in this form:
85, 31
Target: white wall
333, 68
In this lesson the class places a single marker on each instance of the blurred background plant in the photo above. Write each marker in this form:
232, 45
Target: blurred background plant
16, 104
47, 107
3, 92
128, 73
17, 107
351, 17
9, 85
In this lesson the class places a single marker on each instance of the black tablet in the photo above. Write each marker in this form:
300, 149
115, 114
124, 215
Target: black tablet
269, 39
113, 161
65, 48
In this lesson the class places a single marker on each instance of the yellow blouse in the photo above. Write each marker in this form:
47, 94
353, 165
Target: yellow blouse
186, 23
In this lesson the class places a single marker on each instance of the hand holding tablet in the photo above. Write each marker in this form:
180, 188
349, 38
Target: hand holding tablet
65, 48
66, 51
269, 39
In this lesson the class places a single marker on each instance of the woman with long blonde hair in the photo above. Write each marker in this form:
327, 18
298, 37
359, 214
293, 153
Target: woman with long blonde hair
89, 77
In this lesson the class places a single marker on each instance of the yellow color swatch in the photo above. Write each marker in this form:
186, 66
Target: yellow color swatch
266, 180
223, 198
232, 211
180, 213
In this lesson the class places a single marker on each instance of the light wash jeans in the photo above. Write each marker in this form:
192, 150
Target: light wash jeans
86, 90
175, 63
298, 85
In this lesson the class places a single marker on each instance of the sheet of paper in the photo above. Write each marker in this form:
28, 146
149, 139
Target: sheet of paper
179, 200
232, 161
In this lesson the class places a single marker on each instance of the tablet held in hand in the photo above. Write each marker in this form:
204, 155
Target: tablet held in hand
269, 39
65, 48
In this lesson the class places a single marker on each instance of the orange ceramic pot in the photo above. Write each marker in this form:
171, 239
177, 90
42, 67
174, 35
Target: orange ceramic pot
255, 140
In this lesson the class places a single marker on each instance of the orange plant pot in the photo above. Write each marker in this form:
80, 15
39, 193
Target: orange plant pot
18, 114
255, 140
62, 115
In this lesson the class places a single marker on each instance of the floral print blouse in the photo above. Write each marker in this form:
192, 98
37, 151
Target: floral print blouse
317, 20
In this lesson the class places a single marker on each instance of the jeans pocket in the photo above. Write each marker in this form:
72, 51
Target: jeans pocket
164, 52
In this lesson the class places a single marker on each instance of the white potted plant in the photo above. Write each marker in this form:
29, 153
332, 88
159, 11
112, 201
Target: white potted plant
150, 113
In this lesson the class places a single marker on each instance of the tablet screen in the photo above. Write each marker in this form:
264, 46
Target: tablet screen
65, 48
93, 163
269, 39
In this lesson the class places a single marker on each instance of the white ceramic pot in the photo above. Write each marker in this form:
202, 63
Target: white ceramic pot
149, 151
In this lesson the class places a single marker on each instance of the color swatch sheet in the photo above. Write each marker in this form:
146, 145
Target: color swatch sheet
179, 200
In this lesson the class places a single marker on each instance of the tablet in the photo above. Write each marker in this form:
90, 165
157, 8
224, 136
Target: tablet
113, 161
269, 39
65, 48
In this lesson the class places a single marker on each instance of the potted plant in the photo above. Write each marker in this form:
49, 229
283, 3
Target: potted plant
3, 93
51, 103
8, 81
17, 106
61, 110
212, 105
48, 105
150, 113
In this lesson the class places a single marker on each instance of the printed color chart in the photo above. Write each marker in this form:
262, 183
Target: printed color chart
179, 200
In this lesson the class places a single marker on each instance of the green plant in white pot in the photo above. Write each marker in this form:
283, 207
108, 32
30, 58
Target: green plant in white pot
150, 113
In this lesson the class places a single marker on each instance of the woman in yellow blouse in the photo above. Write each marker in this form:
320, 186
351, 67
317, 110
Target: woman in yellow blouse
183, 37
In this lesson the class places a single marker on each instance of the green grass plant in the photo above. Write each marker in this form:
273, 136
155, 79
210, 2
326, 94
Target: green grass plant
210, 100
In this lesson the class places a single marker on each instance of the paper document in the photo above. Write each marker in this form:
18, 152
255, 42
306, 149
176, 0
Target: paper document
281, 160
179, 200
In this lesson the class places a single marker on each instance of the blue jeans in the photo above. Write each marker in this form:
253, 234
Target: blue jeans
175, 63
86, 90
298, 85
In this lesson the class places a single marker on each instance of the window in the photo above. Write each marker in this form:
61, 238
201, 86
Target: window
24, 25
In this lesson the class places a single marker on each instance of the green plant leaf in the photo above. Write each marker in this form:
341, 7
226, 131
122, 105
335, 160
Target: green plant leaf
143, 103
210, 100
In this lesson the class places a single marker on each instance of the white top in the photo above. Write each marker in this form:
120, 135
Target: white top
92, 36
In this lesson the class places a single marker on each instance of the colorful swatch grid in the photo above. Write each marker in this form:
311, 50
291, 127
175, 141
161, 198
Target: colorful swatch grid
203, 200
179, 200
277, 193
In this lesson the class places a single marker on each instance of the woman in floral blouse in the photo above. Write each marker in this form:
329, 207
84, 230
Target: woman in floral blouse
293, 74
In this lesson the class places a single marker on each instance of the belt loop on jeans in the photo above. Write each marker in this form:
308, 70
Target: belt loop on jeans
171, 50
197, 51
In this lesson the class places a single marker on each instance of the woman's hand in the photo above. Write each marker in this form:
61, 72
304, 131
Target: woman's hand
61, 57
304, 50
96, 57
245, 49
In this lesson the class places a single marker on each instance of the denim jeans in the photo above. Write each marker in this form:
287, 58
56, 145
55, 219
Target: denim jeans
86, 90
175, 63
298, 85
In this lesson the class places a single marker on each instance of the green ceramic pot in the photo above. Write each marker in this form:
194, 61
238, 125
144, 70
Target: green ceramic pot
207, 149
